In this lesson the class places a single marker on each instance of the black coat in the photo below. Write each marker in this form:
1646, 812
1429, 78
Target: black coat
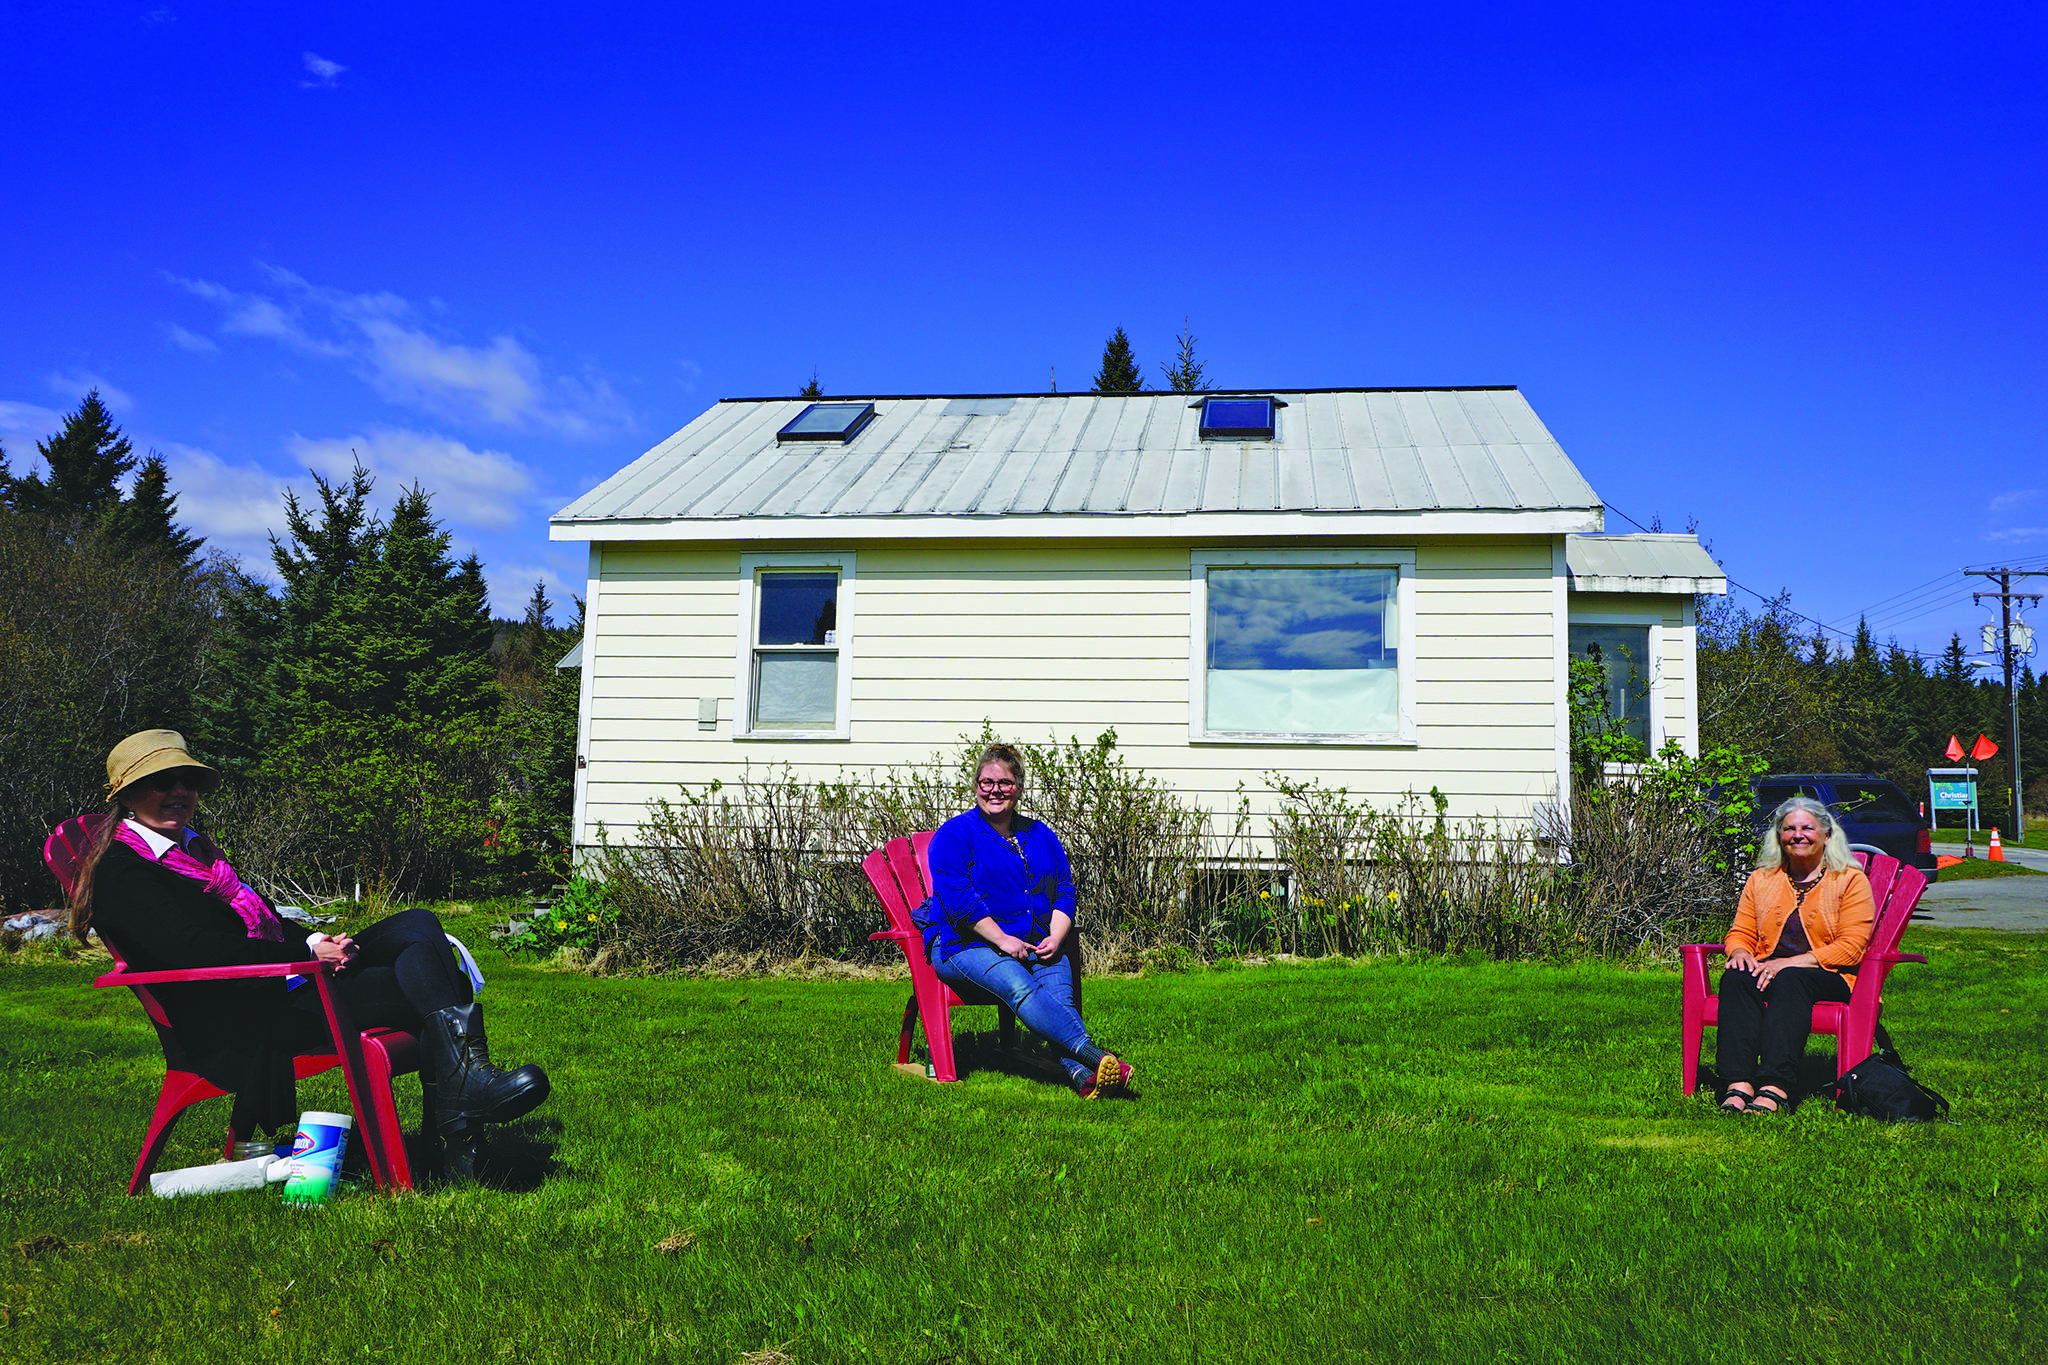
240, 1035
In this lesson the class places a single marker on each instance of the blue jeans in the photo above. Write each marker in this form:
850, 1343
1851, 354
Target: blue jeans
1039, 993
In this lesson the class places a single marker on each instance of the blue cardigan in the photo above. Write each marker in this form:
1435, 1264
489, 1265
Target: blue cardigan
976, 875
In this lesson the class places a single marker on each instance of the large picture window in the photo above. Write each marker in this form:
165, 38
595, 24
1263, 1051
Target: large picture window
793, 659
1294, 645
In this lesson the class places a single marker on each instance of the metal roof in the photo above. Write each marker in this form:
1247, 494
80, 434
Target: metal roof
989, 455
1649, 562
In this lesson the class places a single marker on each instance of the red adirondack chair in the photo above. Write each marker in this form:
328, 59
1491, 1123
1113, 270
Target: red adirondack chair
900, 872
1896, 890
368, 1059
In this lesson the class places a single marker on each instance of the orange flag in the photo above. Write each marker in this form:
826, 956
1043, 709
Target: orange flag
1982, 749
1954, 750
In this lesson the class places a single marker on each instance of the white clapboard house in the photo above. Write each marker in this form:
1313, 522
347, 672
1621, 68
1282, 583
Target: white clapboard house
1375, 587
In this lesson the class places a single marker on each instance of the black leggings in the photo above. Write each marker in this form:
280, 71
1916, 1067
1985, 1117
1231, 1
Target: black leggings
402, 971
1771, 1023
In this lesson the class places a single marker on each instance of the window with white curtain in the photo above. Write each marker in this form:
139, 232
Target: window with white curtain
1295, 647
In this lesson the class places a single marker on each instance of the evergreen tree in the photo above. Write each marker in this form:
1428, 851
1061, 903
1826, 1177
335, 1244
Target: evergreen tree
539, 790
1186, 374
87, 460
811, 390
275, 645
365, 684
1119, 372
143, 520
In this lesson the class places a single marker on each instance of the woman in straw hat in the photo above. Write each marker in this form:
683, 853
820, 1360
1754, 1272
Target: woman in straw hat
159, 889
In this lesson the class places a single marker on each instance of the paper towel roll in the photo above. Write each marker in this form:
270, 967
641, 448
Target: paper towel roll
218, 1178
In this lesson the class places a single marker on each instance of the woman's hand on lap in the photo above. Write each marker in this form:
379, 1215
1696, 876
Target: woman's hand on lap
1010, 946
337, 948
1742, 960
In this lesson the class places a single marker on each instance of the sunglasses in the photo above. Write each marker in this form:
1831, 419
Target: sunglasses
997, 784
188, 778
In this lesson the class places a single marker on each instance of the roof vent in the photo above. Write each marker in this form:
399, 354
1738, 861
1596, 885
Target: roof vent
828, 422
1237, 419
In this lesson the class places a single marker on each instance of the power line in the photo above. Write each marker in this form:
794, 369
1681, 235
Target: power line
1775, 601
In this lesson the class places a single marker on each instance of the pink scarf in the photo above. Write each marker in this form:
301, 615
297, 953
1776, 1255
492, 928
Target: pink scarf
219, 879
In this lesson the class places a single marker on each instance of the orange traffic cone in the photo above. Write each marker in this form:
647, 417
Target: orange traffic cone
1997, 853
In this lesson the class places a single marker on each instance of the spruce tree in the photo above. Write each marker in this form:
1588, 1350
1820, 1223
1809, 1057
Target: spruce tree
1119, 372
87, 460
1186, 374
811, 390
142, 521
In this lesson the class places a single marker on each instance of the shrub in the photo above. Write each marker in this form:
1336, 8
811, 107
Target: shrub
1409, 880
584, 918
1655, 857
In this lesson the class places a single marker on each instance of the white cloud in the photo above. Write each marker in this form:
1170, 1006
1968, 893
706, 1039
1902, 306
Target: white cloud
323, 72
75, 386
2017, 533
235, 506
500, 383
23, 426
486, 488
512, 584
190, 341
2019, 497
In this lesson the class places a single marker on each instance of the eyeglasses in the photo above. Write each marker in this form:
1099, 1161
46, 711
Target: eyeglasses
997, 784
164, 781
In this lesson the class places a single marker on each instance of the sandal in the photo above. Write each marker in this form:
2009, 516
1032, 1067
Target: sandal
1733, 1101
1770, 1100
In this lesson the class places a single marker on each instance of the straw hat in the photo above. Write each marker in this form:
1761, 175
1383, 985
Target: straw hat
152, 751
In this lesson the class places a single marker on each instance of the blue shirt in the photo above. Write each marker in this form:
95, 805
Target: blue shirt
978, 874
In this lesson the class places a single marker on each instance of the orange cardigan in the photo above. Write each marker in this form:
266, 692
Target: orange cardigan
1838, 915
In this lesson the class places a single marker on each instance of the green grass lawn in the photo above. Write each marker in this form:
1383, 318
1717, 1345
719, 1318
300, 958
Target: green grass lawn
2037, 835
1385, 1160
1981, 869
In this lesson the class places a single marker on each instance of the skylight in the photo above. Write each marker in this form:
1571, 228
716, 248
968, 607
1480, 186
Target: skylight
828, 422
1237, 419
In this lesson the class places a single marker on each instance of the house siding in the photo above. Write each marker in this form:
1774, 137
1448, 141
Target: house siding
1058, 639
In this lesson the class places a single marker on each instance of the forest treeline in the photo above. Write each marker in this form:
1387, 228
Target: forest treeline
1801, 700
374, 724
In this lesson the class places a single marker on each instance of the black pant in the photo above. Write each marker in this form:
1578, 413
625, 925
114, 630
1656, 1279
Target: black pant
403, 970
1771, 1023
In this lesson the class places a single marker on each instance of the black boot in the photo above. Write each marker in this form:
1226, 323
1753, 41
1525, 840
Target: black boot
466, 1088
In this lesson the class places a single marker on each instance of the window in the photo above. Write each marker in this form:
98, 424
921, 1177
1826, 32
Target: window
827, 422
1623, 651
1302, 645
1237, 419
794, 667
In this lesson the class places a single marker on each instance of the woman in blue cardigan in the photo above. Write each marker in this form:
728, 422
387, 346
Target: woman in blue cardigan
1005, 897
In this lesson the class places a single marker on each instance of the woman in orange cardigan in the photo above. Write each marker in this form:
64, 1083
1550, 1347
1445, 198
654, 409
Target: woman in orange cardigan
1802, 923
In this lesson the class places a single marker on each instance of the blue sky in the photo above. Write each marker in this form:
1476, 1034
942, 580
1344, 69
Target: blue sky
1779, 271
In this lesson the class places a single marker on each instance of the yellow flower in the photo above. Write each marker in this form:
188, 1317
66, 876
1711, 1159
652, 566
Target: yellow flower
1265, 895
591, 918
1393, 898
561, 924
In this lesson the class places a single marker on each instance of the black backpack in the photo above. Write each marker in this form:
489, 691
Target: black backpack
1881, 1087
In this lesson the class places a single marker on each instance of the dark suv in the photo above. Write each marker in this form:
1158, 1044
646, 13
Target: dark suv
1872, 810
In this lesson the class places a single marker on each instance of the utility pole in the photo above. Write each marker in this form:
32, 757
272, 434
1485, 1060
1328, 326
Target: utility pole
2005, 598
